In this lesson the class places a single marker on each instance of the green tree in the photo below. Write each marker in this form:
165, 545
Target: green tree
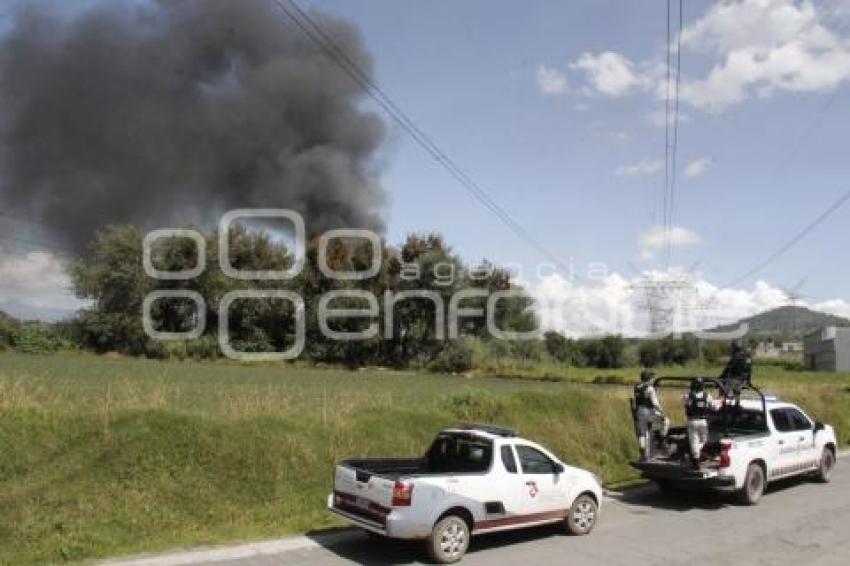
650, 353
563, 349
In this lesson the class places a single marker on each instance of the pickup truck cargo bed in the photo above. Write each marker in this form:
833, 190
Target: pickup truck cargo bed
389, 468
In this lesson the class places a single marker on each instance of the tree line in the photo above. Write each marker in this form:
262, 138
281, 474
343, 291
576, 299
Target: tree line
112, 279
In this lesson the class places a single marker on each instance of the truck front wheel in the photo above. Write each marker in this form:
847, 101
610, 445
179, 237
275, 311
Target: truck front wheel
449, 540
827, 462
753, 485
582, 517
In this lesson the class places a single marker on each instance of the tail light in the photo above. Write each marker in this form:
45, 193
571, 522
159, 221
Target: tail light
725, 457
402, 494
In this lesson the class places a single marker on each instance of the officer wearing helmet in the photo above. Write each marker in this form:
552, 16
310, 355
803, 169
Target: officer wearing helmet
648, 411
698, 404
739, 369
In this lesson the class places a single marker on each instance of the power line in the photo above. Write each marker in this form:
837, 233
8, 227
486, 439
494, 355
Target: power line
317, 35
671, 140
667, 138
675, 145
793, 241
802, 137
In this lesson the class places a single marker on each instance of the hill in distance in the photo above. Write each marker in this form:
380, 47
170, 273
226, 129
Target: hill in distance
789, 322
26, 312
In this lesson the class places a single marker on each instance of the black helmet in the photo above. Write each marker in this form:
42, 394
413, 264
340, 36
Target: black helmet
646, 375
697, 384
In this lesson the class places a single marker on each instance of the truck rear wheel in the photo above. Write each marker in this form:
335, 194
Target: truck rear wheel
827, 462
753, 485
449, 540
582, 517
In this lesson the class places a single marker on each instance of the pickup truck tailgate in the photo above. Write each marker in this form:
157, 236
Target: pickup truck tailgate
362, 493
662, 470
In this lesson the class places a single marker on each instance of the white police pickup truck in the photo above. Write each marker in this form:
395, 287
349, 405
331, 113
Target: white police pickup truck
474, 479
750, 444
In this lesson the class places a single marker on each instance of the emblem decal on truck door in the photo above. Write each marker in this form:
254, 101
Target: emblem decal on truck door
532, 489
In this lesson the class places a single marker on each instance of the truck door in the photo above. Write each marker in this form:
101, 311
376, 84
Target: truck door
807, 456
546, 489
512, 493
785, 444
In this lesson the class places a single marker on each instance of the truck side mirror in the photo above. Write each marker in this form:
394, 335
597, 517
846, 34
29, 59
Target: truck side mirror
557, 469
819, 426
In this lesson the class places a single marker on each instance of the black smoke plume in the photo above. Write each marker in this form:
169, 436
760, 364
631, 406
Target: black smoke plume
174, 111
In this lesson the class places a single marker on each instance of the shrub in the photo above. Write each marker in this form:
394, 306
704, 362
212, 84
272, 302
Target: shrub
204, 348
649, 353
563, 349
605, 353
175, 350
37, 339
785, 363
456, 357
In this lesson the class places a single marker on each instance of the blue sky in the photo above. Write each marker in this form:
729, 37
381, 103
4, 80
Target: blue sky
467, 73
554, 107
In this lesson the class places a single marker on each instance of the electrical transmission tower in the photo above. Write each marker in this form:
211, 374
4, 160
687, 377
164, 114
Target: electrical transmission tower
668, 299
794, 297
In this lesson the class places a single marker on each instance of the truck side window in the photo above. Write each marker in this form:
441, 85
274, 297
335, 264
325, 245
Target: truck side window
533, 461
508, 459
781, 420
798, 420
455, 453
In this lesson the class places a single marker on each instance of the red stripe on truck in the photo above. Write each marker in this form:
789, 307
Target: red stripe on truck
520, 519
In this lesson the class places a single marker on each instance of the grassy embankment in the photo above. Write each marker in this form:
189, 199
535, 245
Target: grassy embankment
104, 456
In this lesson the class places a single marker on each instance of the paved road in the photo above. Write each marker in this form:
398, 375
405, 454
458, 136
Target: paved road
797, 522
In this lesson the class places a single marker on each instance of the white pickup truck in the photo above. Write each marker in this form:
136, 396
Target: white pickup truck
474, 479
750, 445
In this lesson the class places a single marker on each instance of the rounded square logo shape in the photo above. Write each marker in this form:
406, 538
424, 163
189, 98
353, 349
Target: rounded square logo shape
147, 254
224, 325
270, 275
373, 239
194, 296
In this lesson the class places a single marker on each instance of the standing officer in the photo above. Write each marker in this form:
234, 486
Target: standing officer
698, 403
740, 367
648, 412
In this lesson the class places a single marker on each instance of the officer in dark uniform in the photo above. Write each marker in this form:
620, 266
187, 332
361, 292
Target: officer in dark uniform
739, 369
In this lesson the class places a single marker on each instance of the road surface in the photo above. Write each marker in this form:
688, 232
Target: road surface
797, 522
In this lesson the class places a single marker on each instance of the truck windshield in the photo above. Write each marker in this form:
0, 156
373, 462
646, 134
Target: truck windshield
456, 453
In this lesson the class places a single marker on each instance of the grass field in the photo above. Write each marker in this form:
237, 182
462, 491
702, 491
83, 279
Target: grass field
108, 455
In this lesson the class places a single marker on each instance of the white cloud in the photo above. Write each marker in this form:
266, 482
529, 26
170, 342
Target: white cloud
754, 48
838, 307
697, 167
577, 310
639, 169
610, 73
37, 279
551, 81
656, 238
764, 46
615, 304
